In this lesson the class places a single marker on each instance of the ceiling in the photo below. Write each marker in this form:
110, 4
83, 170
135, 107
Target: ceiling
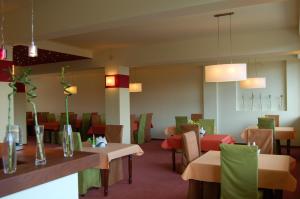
262, 17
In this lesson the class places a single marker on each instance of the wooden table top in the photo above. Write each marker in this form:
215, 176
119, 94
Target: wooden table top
29, 175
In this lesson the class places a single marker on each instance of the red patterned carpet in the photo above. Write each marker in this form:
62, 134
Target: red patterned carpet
153, 178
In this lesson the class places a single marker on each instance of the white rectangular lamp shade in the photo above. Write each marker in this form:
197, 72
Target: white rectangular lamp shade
135, 87
255, 82
226, 72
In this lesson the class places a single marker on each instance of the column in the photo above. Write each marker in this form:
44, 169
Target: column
117, 104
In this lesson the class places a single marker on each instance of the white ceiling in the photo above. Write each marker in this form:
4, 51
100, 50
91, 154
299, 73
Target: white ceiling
269, 16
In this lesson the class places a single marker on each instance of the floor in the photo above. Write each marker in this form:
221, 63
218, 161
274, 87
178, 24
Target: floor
153, 178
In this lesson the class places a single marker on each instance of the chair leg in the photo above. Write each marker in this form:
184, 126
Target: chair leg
288, 146
174, 160
278, 147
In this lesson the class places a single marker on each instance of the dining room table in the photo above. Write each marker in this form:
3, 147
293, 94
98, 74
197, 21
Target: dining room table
207, 142
281, 133
110, 152
274, 173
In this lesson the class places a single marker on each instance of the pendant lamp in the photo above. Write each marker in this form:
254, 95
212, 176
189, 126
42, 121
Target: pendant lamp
3, 53
135, 87
32, 50
253, 82
225, 72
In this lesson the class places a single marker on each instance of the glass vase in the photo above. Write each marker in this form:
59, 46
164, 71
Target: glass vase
9, 155
68, 145
40, 156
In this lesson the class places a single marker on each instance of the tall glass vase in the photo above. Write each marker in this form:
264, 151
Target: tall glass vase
9, 155
40, 156
68, 144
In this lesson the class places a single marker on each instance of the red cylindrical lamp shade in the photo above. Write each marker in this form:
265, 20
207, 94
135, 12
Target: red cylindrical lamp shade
116, 81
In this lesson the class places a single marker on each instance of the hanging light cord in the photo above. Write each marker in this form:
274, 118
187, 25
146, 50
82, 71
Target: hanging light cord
219, 53
32, 22
2, 24
230, 39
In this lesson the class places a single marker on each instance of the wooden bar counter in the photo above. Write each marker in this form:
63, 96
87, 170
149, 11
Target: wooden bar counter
29, 176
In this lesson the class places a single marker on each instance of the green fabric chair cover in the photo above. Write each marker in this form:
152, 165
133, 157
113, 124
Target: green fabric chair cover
51, 117
89, 177
208, 125
180, 120
85, 125
140, 135
239, 172
268, 123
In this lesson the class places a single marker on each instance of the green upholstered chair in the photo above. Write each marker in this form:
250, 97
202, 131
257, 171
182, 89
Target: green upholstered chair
269, 123
85, 125
208, 125
180, 120
140, 135
51, 117
239, 172
88, 178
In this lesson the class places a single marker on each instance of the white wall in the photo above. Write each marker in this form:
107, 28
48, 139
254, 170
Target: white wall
167, 91
4, 91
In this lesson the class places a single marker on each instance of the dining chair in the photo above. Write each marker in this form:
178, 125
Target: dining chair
85, 125
275, 117
133, 119
208, 125
269, 123
148, 127
263, 138
87, 178
239, 172
180, 120
51, 117
140, 135
95, 119
196, 116
114, 133
191, 146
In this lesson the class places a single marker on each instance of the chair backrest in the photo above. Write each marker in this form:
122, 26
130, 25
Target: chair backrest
263, 138
114, 133
208, 125
169, 131
85, 125
95, 119
77, 141
29, 115
196, 116
180, 120
148, 127
275, 117
133, 119
51, 117
192, 127
266, 123
239, 171
140, 135
191, 146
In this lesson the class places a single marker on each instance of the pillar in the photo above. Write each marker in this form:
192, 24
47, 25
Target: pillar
117, 104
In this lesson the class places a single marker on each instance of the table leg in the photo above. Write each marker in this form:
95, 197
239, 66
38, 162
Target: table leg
288, 146
104, 179
174, 159
130, 169
278, 147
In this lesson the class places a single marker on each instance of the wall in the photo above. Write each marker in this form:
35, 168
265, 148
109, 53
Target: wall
167, 91
5, 90
90, 96
233, 122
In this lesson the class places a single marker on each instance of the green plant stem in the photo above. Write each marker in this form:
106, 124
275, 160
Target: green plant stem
67, 110
37, 132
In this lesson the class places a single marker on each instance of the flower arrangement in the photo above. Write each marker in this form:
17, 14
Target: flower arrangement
10, 160
30, 95
67, 137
